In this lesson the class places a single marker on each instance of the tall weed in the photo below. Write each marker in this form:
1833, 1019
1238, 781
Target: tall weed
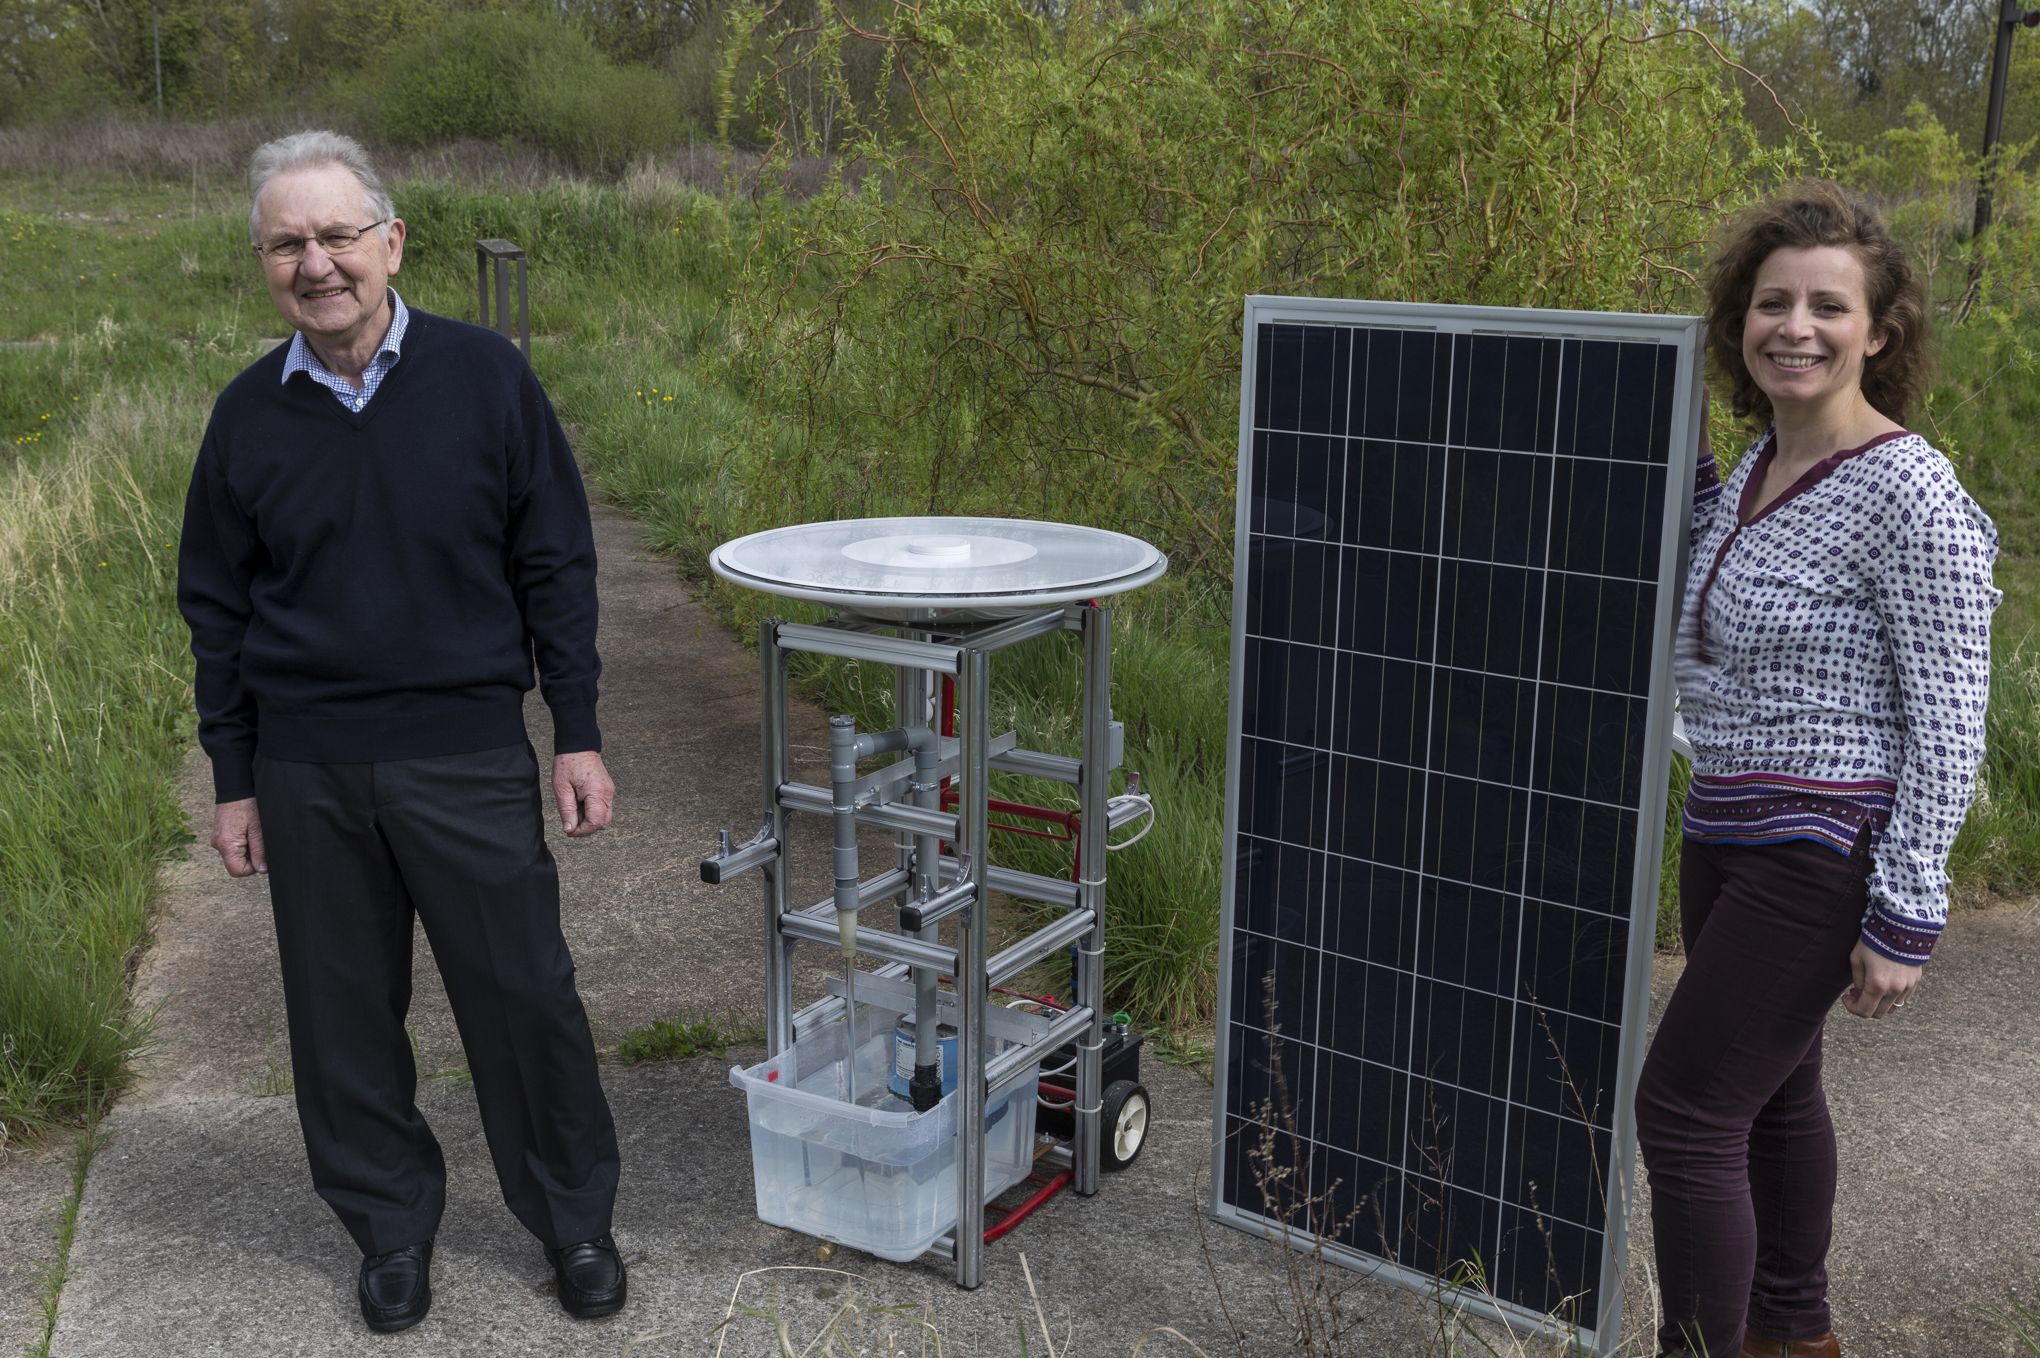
90, 652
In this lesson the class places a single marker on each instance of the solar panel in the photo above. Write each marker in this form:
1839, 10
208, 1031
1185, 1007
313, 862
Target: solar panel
1459, 544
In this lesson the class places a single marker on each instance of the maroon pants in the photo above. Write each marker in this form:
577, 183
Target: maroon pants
1730, 1113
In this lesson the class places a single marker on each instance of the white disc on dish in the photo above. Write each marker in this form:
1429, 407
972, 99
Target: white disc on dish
958, 568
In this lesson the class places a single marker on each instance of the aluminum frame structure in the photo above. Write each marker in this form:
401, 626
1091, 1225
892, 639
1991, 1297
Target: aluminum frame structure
1683, 333
932, 888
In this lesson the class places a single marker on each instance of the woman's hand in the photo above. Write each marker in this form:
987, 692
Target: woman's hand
1880, 986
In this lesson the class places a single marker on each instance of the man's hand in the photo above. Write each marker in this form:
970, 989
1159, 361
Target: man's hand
237, 834
1880, 986
582, 788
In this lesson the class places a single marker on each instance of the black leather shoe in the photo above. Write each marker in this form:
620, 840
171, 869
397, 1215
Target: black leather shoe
592, 1278
396, 1288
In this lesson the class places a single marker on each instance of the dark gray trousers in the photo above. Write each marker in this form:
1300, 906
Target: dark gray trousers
458, 841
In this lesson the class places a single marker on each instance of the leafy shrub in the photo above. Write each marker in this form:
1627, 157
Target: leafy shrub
524, 77
602, 117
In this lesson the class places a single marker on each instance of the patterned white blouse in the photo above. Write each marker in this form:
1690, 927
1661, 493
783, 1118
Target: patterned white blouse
1834, 666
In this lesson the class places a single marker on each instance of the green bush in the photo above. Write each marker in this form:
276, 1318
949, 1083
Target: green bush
528, 78
465, 76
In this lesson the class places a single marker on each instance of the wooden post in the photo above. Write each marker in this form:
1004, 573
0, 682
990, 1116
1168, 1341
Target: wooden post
500, 254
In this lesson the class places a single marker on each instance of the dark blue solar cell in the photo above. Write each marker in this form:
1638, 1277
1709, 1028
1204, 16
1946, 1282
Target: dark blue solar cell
1292, 691
1363, 584
1394, 495
1305, 480
1386, 708
1288, 799
1566, 740
1256, 900
1528, 396
1635, 502
1580, 512
1659, 448
1586, 392
1516, 600
1458, 725
1636, 395
1372, 912
1377, 384
1479, 369
1385, 1037
1325, 362
1573, 632
1410, 607
1365, 1203
1281, 378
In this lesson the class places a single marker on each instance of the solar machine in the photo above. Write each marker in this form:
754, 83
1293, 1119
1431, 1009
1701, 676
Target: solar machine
1460, 542
892, 1110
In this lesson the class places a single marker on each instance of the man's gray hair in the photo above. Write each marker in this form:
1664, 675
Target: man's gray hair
302, 150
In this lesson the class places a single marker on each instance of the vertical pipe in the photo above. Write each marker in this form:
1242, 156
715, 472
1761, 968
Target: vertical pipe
925, 1089
1092, 795
843, 805
777, 873
907, 682
481, 285
974, 682
922, 853
523, 311
843, 802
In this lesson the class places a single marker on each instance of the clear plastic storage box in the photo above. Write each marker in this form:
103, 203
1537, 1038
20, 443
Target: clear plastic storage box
874, 1175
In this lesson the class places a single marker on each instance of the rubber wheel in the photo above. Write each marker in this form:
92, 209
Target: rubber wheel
1123, 1124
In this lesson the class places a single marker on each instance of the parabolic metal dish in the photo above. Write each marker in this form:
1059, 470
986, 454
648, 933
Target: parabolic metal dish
959, 569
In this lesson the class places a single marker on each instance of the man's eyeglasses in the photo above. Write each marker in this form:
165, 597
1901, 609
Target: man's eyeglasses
334, 240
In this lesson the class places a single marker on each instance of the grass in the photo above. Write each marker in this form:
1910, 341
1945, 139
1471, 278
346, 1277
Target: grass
83, 1149
98, 706
148, 278
678, 1038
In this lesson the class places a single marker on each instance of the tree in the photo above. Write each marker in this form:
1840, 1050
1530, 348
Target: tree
1031, 303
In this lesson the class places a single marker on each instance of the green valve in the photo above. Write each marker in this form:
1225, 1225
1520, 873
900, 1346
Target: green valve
1123, 1019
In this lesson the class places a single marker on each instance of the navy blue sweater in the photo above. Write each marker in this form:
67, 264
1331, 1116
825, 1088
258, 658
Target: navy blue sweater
375, 586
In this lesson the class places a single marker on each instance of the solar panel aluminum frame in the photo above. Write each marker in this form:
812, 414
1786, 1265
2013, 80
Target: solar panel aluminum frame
1684, 334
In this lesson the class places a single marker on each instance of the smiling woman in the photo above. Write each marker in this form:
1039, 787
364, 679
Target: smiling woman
1833, 670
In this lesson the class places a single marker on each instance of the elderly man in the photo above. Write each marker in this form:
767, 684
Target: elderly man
384, 529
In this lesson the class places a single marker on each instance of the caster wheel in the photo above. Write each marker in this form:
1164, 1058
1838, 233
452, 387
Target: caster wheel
1123, 1125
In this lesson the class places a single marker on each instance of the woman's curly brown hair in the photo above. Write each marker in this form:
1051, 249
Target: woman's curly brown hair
1802, 217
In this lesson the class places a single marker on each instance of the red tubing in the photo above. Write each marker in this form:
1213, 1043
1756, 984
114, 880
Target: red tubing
1049, 1188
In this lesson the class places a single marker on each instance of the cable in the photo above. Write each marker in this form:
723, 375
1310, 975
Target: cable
1146, 802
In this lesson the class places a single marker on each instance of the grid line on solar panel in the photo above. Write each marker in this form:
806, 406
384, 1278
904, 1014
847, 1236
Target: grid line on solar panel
1549, 869
1433, 1180
1460, 669
1454, 560
1536, 717
1303, 747
1442, 445
1577, 1114
1530, 624
1518, 417
1410, 974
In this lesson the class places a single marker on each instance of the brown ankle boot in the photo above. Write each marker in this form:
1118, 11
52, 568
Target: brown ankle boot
1755, 1345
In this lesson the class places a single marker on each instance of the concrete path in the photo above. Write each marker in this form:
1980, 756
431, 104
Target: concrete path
199, 1233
